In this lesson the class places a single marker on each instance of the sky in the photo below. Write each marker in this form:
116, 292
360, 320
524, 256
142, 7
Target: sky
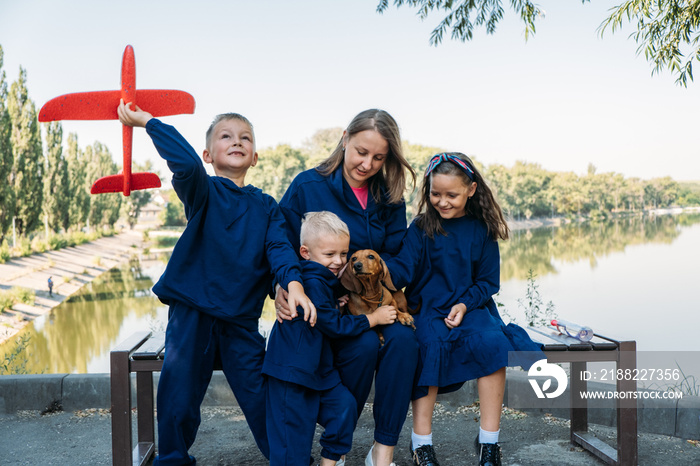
564, 99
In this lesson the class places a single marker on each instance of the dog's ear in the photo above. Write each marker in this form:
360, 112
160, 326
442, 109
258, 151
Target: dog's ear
350, 281
386, 277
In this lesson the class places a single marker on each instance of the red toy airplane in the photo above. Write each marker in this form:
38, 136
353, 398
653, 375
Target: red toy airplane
102, 105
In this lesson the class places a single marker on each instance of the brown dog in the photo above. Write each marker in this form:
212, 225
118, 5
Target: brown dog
367, 278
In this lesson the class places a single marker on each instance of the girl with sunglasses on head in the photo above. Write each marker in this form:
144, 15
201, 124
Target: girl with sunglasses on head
450, 261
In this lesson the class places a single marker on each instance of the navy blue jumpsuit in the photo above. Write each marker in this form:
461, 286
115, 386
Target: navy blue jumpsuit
304, 386
215, 283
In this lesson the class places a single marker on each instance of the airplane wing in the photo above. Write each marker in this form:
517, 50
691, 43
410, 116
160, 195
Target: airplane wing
162, 102
98, 105
102, 105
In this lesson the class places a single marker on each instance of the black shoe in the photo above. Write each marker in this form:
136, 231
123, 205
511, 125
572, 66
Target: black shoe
489, 453
424, 456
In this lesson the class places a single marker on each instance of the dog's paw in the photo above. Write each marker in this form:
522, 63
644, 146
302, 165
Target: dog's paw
406, 319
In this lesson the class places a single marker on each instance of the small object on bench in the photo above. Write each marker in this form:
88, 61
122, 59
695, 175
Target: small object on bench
571, 329
561, 348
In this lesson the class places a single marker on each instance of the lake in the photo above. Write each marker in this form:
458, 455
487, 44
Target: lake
632, 278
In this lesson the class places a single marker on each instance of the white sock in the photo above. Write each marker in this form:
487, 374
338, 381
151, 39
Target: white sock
488, 437
420, 440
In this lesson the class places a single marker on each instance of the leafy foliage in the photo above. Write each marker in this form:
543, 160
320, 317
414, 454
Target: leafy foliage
462, 17
668, 31
664, 29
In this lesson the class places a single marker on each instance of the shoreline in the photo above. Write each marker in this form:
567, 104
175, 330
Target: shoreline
71, 268
76, 266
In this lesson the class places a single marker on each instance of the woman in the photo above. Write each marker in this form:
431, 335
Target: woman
363, 182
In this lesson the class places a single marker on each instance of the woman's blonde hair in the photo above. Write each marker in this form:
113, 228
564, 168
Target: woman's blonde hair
392, 176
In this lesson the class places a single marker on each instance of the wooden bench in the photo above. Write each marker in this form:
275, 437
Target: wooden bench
564, 349
142, 353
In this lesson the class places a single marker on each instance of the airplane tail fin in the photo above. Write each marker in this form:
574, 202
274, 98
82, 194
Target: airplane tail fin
117, 183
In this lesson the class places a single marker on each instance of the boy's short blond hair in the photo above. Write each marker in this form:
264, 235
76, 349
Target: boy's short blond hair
225, 117
323, 223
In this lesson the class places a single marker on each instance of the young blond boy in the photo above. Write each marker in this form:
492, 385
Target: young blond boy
304, 388
216, 279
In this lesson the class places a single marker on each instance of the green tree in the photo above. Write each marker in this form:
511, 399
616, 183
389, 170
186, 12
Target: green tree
319, 146
28, 166
276, 169
78, 187
665, 29
136, 201
104, 208
7, 198
418, 157
462, 17
56, 181
174, 213
668, 31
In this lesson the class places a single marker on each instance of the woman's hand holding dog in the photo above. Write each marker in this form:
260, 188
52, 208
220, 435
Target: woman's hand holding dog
383, 315
456, 315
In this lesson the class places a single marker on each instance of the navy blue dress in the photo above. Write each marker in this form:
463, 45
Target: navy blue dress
462, 267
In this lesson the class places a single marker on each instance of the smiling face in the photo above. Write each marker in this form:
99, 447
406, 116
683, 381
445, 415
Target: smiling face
449, 195
365, 153
231, 149
331, 251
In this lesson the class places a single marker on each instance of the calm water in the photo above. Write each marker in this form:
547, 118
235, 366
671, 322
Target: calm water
632, 278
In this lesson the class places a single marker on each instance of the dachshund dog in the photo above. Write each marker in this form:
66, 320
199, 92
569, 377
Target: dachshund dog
367, 278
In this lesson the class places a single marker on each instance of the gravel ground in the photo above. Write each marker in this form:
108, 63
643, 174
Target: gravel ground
83, 437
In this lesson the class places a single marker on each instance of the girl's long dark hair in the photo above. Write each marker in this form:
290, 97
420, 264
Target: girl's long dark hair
482, 205
392, 176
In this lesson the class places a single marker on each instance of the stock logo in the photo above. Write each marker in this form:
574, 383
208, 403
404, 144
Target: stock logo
543, 369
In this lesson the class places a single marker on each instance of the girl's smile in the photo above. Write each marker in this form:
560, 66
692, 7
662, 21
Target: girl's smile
449, 195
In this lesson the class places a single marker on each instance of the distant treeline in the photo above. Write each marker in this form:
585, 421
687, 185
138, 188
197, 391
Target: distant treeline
524, 190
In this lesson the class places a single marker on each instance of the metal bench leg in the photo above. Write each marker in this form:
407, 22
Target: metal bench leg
627, 407
579, 405
120, 386
146, 425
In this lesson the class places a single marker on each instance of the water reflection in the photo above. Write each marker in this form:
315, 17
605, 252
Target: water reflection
77, 336
87, 325
538, 250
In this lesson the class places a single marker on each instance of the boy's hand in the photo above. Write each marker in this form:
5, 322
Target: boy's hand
454, 319
343, 300
297, 297
130, 117
383, 315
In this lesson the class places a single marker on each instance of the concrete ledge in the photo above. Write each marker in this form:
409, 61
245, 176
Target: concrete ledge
86, 391
36, 392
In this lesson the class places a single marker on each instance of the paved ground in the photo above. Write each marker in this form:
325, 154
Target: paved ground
83, 437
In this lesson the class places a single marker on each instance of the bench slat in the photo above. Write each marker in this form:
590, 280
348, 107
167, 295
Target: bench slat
549, 344
152, 348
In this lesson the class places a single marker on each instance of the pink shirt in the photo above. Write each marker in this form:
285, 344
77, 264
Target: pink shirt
361, 195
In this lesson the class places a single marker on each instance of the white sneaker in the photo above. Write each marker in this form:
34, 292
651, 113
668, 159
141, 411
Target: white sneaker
340, 462
368, 460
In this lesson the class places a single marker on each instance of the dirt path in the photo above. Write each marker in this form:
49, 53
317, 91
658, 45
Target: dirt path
70, 269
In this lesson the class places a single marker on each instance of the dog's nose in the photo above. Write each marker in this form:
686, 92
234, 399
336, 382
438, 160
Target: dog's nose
357, 266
